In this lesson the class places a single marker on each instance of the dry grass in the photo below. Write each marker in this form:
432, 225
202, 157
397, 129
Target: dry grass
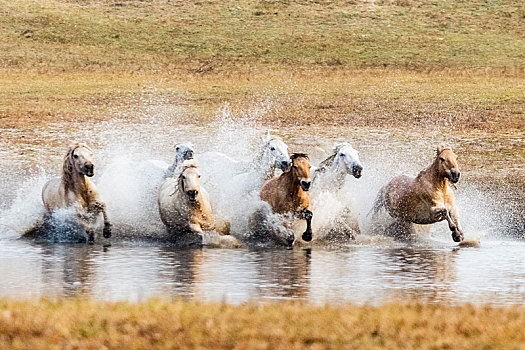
203, 36
79, 324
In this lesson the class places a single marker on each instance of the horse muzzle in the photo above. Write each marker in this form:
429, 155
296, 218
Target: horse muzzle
356, 171
453, 175
192, 195
188, 155
284, 165
89, 170
305, 184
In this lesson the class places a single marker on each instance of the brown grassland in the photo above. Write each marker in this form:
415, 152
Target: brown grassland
410, 67
81, 324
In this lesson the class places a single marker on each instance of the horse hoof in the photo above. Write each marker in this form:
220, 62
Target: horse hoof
307, 236
457, 237
106, 232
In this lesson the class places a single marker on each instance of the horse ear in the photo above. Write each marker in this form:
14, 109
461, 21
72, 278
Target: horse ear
439, 150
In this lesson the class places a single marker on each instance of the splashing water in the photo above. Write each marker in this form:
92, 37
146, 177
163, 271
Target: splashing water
131, 158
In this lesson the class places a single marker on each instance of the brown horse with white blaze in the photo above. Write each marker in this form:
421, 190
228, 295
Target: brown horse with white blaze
74, 189
427, 198
288, 193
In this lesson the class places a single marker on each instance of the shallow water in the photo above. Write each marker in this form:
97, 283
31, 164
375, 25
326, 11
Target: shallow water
370, 271
377, 273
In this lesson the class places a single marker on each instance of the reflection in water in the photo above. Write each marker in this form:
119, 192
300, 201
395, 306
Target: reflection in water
429, 271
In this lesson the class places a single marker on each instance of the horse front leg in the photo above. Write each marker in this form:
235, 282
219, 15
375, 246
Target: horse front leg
451, 216
97, 208
453, 224
307, 215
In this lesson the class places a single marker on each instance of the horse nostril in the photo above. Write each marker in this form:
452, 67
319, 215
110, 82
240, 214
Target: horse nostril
284, 165
356, 170
89, 168
305, 185
188, 155
192, 193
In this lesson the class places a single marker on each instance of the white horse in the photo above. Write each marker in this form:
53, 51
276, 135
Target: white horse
328, 180
331, 172
74, 189
183, 151
185, 207
221, 171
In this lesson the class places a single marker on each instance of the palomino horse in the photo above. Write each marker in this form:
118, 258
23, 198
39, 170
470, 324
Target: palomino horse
427, 198
185, 206
74, 189
288, 193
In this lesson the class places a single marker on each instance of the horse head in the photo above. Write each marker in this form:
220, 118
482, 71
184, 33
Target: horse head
189, 181
301, 170
275, 153
447, 164
183, 151
79, 159
348, 158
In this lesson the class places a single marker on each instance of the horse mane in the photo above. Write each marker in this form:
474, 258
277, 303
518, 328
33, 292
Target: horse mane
67, 167
298, 155
190, 163
326, 163
440, 149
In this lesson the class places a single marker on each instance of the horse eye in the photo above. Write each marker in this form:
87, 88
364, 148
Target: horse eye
272, 148
177, 148
75, 155
342, 154
442, 159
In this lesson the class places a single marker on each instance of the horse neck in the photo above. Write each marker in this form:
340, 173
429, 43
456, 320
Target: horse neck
292, 184
78, 184
431, 174
339, 172
264, 165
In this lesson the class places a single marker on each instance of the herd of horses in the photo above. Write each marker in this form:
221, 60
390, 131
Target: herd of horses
284, 182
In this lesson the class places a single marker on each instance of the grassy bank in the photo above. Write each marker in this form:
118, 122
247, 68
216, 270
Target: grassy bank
204, 36
159, 324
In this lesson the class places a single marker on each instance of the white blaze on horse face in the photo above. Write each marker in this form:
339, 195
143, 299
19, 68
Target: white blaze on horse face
82, 158
276, 152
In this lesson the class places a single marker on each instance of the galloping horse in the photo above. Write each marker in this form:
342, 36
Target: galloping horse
331, 172
246, 176
185, 206
74, 189
328, 179
183, 151
288, 193
427, 198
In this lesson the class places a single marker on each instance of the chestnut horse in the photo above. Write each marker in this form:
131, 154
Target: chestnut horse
74, 189
427, 198
288, 193
185, 206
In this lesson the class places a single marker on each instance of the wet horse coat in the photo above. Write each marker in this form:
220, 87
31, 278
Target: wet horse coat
427, 198
74, 189
185, 206
288, 193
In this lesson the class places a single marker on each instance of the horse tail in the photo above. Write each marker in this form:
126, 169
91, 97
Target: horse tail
379, 202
